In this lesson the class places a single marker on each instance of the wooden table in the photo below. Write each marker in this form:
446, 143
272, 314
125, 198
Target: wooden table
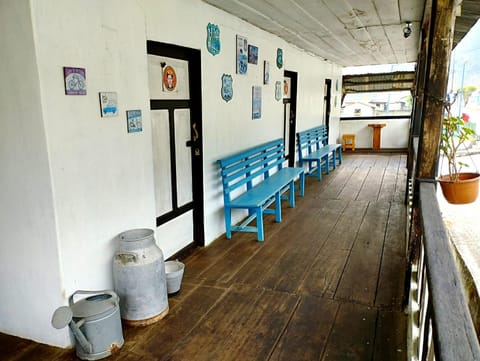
377, 128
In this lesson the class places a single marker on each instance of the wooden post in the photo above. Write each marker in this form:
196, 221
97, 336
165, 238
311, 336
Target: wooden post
418, 93
422, 69
438, 60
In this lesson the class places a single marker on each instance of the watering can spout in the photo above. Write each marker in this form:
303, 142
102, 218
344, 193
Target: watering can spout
62, 317
82, 340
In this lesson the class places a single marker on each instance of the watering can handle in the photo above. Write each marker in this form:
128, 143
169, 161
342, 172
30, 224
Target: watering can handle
82, 292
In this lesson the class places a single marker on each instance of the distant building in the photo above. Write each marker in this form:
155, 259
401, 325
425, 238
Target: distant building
358, 109
377, 104
385, 106
474, 100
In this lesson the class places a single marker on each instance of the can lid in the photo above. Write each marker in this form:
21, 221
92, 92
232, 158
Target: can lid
136, 234
94, 305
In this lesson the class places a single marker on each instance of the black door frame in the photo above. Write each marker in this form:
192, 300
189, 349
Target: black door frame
292, 116
327, 102
193, 57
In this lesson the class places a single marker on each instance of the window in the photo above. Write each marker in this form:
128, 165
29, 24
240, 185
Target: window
378, 91
377, 104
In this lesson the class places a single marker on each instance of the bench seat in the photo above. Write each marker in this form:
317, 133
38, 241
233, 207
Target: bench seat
263, 191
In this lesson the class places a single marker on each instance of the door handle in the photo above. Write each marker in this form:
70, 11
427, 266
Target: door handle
195, 132
190, 142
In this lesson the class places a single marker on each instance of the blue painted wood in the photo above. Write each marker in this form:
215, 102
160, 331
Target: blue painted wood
254, 180
314, 150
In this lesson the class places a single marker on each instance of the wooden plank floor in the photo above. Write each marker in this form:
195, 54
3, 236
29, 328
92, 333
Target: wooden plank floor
325, 285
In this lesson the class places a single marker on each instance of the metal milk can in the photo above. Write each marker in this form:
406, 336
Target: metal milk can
139, 278
95, 323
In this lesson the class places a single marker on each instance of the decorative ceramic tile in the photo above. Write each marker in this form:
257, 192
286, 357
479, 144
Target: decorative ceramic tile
108, 104
134, 121
75, 81
278, 90
266, 72
213, 39
279, 58
256, 102
227, 87
252, 54
169, 78
242, 55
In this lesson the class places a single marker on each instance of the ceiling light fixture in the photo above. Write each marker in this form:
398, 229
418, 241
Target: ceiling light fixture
407, 30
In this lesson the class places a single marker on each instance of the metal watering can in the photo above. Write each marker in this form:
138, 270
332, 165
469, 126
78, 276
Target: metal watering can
94, 321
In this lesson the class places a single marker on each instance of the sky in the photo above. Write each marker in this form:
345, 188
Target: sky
465, 60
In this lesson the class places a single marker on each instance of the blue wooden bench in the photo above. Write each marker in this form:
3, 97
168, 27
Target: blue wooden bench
255, 179
313, 149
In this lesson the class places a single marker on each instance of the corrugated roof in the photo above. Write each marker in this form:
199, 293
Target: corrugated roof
402, 80
470, 13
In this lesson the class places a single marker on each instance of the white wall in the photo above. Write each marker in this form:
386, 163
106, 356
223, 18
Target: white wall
393, 136
97, 178
228, 127
102, 176
30, 278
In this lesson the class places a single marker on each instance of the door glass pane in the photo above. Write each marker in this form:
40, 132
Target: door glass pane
287, 86
161, 161
183, 156
175, 234
168, 78
287, 126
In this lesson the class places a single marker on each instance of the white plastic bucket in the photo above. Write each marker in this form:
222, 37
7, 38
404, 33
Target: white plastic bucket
174, 271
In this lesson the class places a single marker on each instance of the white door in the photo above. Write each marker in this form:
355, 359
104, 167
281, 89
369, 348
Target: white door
172, 129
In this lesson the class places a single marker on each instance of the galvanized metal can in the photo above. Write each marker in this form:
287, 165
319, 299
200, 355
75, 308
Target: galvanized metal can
139, 278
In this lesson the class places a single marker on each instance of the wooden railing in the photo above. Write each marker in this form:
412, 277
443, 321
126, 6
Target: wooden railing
441, 327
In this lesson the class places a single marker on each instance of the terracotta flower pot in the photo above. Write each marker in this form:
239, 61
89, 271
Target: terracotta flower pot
463, 191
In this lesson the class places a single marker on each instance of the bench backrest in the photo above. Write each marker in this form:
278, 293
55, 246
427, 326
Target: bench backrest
311, 139
241, 169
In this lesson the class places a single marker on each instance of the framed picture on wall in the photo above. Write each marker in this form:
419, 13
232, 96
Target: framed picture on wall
252, 54
256, 102
242, 54
75, 81
134, 121
108, 104
266, 72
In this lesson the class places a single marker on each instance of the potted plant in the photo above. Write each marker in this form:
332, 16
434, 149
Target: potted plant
458, 187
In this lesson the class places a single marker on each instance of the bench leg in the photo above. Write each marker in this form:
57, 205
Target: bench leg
228, 222
327, 164
334, 156
340, 160
291, 195
319, 169
278, 207
302, 184
259, 212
